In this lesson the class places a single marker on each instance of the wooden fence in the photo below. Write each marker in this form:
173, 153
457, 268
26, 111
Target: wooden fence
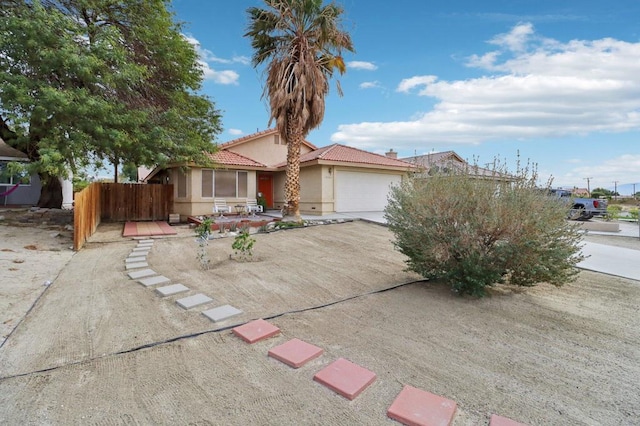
86, 214
117, 202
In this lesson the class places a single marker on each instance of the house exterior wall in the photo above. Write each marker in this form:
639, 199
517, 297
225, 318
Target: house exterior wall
264, 150
194, 204
24, 195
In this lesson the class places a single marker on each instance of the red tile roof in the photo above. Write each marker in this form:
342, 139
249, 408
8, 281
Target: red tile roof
230, 158
346, 154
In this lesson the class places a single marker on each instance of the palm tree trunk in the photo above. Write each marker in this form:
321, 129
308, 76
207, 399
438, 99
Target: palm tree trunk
292, 181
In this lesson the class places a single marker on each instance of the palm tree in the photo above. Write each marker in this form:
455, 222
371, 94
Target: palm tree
302, 42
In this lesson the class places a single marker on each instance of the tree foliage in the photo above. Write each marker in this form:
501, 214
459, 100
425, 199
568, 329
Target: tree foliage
301, 41
88, 82
472, 233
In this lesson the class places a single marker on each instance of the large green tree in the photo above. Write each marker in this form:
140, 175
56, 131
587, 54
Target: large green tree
89, 82
302, 43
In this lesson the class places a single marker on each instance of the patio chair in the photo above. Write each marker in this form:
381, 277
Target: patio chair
253, 206
220, 206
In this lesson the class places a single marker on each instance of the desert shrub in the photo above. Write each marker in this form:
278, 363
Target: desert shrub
243, 245
613, 211
633, 213
472, 233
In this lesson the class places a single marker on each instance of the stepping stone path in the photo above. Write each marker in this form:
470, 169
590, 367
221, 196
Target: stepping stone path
295, 353
420, 408
412, 406
255, 331
135, 275
158, 279
221, 313
193, 301
170, 290
345, 378
136, 265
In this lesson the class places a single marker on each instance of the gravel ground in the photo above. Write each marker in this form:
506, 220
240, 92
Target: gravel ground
97, 348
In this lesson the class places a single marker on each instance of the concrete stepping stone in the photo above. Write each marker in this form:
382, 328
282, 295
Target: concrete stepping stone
147, 241
159, 279
136, 265
255, 331
141, 274
221, 313
171, 290
503, 421
135, 259
295, 353
192, 301
345, 378
141, 249
414, 406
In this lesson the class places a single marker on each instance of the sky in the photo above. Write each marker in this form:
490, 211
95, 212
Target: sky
555, 84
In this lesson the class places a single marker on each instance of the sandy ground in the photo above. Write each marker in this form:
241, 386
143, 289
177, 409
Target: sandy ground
98, 348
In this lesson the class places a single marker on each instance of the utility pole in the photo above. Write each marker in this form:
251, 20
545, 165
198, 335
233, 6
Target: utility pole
615, 189
588, 179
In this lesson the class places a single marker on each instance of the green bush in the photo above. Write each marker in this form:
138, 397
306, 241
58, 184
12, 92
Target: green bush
633, 214
613, 211
472, 233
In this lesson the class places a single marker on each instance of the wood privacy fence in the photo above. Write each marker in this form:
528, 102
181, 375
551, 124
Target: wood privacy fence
118, 202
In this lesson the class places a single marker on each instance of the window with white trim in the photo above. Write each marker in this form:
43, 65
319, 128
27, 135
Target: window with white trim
8, 179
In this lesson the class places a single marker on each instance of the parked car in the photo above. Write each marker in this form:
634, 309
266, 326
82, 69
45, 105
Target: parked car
581, 208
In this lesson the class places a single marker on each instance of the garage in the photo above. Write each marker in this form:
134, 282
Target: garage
361, 191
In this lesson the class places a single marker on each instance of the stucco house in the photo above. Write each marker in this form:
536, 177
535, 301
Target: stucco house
335, 178
16, 190
449, 161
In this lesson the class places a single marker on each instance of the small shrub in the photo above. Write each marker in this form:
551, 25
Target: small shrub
243, 245
263, 229
473, 233
202, 232
613, 212
633, 214
233, 227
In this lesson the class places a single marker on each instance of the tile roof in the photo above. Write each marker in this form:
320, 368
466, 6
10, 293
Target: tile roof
346, 154
256, 135
10, 152
230, 158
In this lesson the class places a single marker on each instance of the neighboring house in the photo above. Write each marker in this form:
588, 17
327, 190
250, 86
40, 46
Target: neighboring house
334, 178
580, 192
449, 161
16, 190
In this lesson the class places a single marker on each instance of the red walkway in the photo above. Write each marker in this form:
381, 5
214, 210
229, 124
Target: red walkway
143, 229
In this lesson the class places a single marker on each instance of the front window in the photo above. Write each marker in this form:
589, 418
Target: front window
6, 178
226, 183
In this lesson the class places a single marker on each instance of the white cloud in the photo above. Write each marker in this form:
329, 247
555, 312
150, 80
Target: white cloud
533, 88
206, 57
235, 132
605, 173
361, 65
370, 85
419, 80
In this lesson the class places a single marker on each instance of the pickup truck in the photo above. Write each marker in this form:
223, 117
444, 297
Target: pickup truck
581, 208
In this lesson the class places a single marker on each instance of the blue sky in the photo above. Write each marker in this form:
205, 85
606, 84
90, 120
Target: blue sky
556, 81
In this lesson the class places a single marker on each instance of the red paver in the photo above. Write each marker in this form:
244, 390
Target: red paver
415, 407
295, 353
136, 229
255, 331
346, 378
503, 421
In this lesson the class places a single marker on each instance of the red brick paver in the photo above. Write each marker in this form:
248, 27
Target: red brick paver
416, 407
346, 378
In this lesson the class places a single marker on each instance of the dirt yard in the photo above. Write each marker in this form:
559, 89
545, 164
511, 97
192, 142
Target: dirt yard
98, 348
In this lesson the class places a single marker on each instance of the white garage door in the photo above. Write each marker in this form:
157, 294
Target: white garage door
363, 192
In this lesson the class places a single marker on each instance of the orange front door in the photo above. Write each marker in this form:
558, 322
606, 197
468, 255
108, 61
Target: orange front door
265, 186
